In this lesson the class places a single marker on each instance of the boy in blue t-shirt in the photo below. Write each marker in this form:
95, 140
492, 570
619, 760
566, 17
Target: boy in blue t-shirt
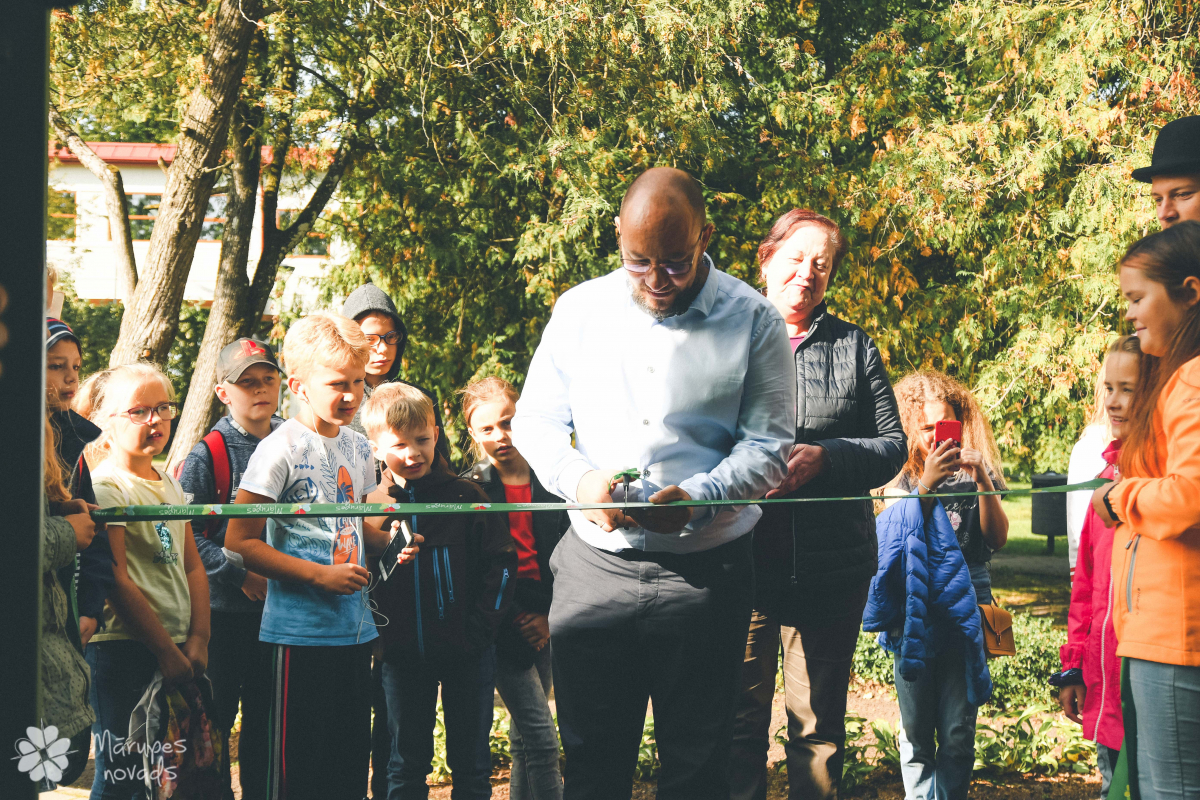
316, 614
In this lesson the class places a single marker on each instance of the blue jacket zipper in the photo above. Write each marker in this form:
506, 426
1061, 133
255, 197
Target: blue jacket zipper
449, 579
417, 583
500, 594
437, 582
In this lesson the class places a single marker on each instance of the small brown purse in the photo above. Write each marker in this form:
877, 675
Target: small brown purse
997, 631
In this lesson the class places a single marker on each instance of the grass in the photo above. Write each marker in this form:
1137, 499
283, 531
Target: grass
1021, 540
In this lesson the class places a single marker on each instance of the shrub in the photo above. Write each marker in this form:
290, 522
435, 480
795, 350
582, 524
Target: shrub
1030, 743
1018, 680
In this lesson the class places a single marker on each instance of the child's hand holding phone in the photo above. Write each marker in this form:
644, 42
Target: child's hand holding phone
941, 463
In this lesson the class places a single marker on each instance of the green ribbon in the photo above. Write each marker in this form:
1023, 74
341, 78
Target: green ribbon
119, 514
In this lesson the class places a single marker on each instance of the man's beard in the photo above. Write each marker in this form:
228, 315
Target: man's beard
681, 303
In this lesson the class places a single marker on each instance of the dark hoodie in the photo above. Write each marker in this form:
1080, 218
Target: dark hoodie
451, 600
93, 572
369, 299
531, 596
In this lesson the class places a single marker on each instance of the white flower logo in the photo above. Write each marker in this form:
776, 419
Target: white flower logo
43, 755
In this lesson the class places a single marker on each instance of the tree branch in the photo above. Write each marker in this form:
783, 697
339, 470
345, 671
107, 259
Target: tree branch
115, 201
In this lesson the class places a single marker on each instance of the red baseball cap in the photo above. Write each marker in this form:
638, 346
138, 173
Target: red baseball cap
241, 353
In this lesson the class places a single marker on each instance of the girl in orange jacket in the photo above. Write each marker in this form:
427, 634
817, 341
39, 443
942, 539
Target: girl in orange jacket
1156, 504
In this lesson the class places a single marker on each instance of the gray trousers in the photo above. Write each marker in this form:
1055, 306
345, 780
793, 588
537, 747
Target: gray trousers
635, 626
817, 657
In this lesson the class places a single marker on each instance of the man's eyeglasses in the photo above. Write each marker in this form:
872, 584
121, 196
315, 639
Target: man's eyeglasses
672, 268
391, 338
143, 414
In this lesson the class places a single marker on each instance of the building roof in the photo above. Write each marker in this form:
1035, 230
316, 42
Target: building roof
143, 153
120, 152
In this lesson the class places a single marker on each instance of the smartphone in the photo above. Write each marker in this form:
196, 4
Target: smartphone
387, 561
947, 430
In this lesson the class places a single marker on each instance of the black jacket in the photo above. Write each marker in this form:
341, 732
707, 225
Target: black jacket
817, 559
94, 579
450, 602
531, 596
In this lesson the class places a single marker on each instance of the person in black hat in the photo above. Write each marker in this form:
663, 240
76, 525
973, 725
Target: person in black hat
239, 665
1174, 172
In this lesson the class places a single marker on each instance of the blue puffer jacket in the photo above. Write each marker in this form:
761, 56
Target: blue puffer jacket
921, 597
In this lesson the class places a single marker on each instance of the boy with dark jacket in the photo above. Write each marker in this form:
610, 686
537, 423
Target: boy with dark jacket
438, 619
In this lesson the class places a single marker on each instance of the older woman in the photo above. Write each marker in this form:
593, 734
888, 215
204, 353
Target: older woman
814, 562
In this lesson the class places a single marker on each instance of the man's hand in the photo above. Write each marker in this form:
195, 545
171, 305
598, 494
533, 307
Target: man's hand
596, 487
806, 462
196, 653
341, 578
87, 629
664, 520
254, 586
1071, 699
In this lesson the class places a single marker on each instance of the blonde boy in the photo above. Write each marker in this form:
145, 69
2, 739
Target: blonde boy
443, 614
316, 615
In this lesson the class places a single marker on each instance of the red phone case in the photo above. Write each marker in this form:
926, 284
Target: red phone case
947, 429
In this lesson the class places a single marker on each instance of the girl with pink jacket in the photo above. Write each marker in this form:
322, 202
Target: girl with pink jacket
1090, 683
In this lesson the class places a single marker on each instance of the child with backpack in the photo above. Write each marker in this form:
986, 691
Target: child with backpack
1090, 681
157, 617
239, 665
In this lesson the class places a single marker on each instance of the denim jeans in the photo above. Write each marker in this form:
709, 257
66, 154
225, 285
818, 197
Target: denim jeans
937, 732
1167, 698
1106, 762
468, 688
532, 736
120, 671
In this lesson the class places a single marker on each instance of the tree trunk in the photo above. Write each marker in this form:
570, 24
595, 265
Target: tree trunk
151, 320
225, 319
115, 201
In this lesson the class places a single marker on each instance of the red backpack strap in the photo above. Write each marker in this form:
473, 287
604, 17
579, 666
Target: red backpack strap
222, 478
220, 463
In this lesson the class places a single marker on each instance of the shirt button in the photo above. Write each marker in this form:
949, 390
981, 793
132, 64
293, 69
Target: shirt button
645, 422
650, 369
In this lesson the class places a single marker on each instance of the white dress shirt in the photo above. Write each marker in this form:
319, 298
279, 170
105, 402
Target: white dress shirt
705, 400
1087, 461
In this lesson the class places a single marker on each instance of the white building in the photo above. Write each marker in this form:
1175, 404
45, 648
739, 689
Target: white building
80, 244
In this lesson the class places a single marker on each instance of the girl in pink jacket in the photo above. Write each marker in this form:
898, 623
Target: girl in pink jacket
1090, 683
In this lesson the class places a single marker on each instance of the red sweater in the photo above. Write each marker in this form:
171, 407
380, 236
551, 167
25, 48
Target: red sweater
1091, 638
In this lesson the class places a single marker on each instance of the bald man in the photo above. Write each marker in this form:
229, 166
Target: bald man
674, 369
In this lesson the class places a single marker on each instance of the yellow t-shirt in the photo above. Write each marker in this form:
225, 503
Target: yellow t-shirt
153, 550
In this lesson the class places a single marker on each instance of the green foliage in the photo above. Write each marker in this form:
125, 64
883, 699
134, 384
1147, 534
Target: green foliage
1018, 680
647, 760
863, 757
1039, 740
96, 326
181, 361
